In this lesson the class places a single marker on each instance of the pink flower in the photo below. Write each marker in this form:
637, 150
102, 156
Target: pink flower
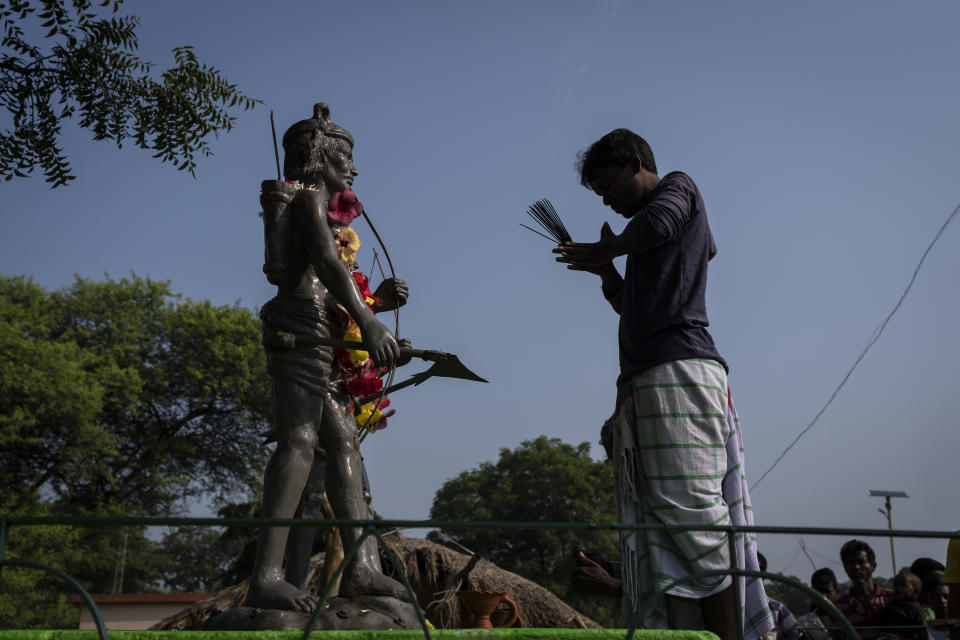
343, 207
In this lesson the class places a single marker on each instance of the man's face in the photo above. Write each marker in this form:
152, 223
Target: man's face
937, 600
338, 171
858, 567
621, 188
830, 592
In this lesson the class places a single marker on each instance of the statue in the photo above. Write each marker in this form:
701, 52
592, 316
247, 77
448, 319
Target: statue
304, 260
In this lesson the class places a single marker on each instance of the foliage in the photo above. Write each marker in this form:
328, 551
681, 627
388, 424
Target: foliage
117, 395
208, 558
118, 398
84, 66
542, 480
795, 600
35, 599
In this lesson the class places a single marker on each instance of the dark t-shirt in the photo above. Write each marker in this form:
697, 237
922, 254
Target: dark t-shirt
663, 312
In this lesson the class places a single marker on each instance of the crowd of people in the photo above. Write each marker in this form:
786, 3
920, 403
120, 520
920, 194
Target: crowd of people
916, 608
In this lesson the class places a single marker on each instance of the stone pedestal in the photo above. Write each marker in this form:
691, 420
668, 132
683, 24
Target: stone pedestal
361, 612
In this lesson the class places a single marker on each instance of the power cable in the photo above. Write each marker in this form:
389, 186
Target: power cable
873, 339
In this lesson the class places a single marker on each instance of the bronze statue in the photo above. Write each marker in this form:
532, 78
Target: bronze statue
312, 281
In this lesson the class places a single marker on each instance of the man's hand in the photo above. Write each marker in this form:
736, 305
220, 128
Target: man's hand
593, 257
392, 293
380, 344
590, 577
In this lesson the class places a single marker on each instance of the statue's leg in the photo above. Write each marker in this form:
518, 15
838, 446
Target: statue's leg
338, 437
296, 412
300, 539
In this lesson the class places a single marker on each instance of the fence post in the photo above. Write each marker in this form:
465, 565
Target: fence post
739, 607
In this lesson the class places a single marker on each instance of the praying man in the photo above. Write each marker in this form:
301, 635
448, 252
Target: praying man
674, 438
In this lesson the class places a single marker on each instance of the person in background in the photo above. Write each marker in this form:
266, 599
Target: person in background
903, 615
865, 599
934, 598
787, 626
818, 624
926, 567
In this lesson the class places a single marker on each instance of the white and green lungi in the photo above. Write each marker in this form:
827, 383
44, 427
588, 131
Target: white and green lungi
677, 451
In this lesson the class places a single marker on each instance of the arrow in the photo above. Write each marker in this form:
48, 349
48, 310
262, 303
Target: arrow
445, 365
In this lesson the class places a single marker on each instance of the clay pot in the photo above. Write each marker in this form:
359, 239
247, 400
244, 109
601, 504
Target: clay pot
506, 616
482, 603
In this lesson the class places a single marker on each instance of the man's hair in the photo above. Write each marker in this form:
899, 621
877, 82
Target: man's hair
761, 561
930, 583
619, 148
822, 579
925, 567
307, 143
853, 547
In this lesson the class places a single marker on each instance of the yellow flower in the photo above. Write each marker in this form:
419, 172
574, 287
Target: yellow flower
352, 334
364, 417
347, 244
429, 624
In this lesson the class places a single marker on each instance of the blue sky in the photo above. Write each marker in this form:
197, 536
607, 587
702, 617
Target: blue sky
824, 139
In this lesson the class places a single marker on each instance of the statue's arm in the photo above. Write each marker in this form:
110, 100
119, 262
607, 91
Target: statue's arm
310, 214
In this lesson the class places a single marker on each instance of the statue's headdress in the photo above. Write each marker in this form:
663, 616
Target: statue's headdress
318, 124
305, 141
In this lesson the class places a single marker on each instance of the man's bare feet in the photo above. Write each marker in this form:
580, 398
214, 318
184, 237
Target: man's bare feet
279, 594
362, 581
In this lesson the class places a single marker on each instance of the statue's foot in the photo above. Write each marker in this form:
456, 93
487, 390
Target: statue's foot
279, 594
363, 581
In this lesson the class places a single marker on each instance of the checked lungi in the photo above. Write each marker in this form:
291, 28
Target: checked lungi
677, 451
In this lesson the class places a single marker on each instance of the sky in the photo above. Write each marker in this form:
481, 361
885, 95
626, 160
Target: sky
823, 137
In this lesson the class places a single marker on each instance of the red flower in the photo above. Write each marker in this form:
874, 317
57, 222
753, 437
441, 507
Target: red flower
361, 386
363, 284
343, 207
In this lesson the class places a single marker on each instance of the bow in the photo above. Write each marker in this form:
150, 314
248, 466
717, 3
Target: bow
396, 326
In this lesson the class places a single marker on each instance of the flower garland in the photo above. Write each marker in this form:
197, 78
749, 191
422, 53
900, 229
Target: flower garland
354, 370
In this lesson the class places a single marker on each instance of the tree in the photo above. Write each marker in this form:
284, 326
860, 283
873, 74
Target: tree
541, 480
119, 395
85, 66
119, 398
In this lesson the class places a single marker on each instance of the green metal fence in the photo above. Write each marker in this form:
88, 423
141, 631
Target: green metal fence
375, 527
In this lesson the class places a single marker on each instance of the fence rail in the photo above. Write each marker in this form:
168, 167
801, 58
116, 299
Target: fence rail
375, 527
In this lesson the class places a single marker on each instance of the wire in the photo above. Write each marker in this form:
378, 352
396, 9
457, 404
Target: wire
873, 339
790, 564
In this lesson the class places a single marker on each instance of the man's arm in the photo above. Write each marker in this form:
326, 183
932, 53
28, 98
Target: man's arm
311, 217
611, 281
657, 223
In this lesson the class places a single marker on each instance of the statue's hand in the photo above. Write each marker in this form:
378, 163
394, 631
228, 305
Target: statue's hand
404, 360
380, 344
393, 294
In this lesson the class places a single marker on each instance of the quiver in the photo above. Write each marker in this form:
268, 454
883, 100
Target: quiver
275, 198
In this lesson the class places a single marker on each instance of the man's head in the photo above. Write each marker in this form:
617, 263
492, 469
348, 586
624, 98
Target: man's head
317, 151
761, 561
859, 561
936, 595
907, 586
926, 567
824, 581
620, 168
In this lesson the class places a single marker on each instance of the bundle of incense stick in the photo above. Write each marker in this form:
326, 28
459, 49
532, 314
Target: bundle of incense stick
546, 216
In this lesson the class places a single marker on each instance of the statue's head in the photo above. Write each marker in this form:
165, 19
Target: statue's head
317, 151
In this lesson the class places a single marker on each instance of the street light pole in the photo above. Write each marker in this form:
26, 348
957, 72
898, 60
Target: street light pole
888, 512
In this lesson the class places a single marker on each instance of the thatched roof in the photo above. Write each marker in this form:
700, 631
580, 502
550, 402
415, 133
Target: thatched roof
436, 573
